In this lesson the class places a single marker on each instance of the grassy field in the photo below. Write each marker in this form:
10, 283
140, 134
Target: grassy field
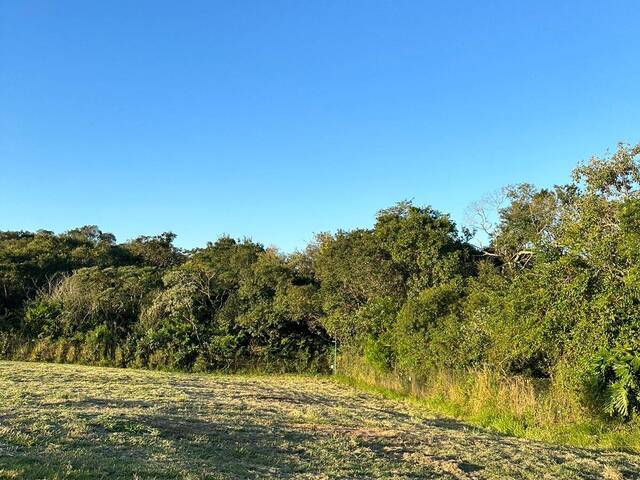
65, 421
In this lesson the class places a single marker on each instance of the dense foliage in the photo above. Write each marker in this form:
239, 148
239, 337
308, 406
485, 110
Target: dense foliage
554, 295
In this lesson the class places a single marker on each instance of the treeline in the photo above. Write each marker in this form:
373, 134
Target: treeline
81, 297
554, 295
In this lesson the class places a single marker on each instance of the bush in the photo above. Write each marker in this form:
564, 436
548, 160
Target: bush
41, 319
614, 381
100, 344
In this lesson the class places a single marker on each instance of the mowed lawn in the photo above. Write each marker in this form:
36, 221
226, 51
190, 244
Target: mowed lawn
65, 421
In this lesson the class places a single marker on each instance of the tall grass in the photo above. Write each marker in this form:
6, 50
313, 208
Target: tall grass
511, 405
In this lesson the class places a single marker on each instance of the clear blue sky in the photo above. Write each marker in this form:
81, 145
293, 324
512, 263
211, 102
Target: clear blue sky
278, 119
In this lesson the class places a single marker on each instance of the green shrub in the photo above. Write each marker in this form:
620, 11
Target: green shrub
614, 381
41, 318
379, 352
100, 344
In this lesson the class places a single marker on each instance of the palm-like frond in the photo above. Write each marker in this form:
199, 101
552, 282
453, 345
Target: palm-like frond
615, 381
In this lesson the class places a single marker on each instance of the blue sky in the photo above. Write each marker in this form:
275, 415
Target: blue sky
278, 119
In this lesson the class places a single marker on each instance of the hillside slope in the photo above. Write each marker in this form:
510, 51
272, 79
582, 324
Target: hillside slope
63, 421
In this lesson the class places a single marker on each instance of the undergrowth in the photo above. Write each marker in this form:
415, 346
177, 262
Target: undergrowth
508, 405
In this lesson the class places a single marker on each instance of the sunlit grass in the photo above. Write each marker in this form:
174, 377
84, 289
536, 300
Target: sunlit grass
506, 405
78, 422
